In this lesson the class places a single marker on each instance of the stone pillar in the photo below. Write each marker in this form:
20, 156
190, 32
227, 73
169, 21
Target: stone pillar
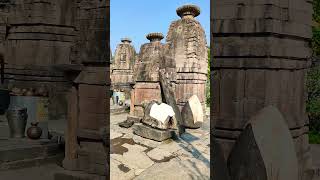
260, 57
146, 76
189, 51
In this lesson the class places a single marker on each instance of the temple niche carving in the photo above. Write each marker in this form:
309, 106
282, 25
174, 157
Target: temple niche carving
122, 67
187, 47
146, 76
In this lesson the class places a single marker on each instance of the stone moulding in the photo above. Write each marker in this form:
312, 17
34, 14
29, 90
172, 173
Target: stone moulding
155, 36
189, 9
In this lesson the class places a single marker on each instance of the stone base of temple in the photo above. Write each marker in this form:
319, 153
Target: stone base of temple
152, 133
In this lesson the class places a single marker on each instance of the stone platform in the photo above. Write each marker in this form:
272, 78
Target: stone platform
151, 133
22, 153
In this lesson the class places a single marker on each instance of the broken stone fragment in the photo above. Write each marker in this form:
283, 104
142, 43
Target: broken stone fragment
159, 116
126, 124
192, 113
264, 150
152, 133
135, 119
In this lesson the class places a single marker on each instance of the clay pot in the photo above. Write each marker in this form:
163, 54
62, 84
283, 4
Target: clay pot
34, 132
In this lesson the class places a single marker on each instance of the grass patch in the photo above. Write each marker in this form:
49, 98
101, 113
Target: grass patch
314, 137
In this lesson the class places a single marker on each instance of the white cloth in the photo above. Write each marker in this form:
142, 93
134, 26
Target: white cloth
161, 112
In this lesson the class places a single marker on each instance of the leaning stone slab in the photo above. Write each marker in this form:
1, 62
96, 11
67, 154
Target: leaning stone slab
170, 98
192, 113
151, 133
264, 150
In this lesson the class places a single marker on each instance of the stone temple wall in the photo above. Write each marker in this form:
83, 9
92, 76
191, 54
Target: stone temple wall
189, 51
260, 56
37, 35
90, 27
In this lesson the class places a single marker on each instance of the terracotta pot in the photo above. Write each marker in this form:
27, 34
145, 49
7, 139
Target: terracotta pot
34, 132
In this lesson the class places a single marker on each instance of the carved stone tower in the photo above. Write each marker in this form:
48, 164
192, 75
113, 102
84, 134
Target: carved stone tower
122, 67
146, 77
188, 48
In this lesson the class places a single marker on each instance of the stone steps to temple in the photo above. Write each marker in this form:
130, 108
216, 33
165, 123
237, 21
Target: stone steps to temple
22, 153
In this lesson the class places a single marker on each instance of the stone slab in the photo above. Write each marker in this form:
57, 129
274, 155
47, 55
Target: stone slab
178, 170
151, 133
126, 124
265, 149
134, 118
76, 175
19, 153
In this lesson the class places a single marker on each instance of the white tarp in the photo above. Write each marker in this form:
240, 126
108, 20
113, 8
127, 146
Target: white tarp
161, 112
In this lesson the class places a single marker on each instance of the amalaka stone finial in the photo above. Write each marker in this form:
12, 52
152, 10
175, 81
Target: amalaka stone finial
126, 40
188, 10
152, 37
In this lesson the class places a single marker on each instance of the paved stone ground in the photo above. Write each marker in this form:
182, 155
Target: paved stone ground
134, 157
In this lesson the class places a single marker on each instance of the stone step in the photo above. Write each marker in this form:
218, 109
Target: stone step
26, 163
76, 175
19, 153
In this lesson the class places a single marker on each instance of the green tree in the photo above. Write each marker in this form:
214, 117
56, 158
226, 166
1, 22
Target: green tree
313, 80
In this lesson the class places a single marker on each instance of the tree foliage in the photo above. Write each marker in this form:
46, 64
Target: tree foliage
313, 77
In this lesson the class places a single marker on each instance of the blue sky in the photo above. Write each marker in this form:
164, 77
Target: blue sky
136, 18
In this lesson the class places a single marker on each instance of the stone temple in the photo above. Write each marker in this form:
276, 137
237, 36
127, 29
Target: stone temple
122, 67
188, 49
146, 76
